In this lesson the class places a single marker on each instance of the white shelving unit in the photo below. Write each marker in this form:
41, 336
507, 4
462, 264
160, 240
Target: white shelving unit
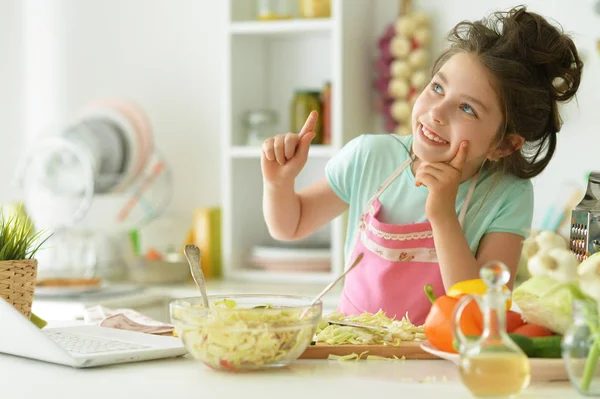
265, 62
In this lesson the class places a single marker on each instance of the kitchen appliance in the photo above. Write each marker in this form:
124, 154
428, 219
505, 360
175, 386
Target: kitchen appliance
584, 237
90, 182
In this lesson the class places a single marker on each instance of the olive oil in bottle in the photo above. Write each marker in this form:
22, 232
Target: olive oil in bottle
492, 366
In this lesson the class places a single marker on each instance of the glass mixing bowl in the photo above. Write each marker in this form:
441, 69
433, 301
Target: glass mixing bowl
246, 332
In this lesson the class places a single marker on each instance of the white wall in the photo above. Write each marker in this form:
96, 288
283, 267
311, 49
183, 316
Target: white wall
166, 55
11, 95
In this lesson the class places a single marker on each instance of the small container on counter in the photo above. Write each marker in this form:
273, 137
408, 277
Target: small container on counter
165, 271
304, 102
314, 8
581, 349
206, 235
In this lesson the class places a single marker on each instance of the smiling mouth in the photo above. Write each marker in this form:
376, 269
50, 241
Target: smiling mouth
432, 136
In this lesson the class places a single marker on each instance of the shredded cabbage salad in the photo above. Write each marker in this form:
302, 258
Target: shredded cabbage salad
396, 332
246, 339
363, 356
243, 339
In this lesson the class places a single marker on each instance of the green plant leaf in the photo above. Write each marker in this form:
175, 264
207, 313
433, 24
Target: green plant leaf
18, 237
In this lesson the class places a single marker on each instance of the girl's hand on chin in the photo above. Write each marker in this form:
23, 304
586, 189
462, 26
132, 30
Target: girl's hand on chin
442, 179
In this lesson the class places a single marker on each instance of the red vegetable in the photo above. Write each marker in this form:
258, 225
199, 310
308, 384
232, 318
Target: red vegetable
513, 321
533, 330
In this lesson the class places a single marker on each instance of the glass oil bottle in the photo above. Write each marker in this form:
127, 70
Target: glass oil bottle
491, 366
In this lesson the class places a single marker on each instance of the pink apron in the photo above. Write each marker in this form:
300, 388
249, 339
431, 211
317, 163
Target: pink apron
398, 261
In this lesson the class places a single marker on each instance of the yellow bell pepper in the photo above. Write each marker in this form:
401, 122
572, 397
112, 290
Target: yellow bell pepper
476, 287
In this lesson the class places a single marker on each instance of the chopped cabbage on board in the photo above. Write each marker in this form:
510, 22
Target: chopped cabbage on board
396, 332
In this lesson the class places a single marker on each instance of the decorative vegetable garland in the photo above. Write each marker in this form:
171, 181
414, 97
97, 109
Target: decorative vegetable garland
403, 67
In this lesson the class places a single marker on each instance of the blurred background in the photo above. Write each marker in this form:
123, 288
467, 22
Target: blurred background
132, 127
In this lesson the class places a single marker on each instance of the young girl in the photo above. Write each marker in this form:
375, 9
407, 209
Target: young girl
433, 207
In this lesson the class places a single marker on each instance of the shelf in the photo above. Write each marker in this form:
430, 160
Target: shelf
317, 150
278, 27
264, 63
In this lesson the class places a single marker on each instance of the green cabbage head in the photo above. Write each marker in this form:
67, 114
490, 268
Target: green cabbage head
547, 302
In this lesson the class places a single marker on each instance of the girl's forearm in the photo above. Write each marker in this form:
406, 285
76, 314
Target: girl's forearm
282, 209
457, 262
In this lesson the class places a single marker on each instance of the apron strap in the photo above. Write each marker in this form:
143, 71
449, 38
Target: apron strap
388, 181
465, 205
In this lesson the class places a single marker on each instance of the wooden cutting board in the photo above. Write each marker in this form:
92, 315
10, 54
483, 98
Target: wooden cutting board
409, 349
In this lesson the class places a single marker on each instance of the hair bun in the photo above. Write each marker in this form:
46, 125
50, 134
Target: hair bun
551, 52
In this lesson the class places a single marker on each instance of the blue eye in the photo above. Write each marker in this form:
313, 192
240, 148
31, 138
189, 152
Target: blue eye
437, 88
468, 109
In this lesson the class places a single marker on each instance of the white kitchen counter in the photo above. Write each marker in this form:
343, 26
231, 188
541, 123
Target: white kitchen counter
220, 287
183, 378
186, 378
154, 300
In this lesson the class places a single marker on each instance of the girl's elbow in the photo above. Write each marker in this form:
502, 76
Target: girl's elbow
287, 236
280, 235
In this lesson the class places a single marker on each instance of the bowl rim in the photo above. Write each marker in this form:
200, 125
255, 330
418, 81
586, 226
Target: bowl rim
179, 302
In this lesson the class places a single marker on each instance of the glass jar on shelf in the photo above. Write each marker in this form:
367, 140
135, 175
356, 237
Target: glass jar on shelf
326, 113
304, 102
273, 10
259, 125
314, 8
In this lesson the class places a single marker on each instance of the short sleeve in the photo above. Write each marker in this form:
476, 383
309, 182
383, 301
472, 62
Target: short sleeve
341, 169
515, 215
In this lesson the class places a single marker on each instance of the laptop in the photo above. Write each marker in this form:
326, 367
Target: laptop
80, 346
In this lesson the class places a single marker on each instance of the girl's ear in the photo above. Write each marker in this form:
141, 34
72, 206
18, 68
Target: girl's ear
513, 142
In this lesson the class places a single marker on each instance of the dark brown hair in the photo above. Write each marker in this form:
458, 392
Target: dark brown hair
535, 66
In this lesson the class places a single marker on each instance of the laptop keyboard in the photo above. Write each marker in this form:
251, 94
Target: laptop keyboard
85, 345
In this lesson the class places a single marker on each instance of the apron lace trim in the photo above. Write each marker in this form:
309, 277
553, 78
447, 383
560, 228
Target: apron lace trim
418, 235
399, 255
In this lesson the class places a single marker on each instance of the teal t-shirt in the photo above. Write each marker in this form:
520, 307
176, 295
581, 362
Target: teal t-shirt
355, 173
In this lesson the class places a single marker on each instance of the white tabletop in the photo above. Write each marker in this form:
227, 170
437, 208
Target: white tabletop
183, 378
186, 378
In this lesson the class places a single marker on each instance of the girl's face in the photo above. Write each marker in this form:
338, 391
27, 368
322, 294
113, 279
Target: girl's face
459, 104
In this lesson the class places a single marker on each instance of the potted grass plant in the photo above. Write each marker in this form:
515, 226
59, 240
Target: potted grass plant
19, 243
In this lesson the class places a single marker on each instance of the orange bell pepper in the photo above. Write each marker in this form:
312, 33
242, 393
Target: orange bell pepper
438, 324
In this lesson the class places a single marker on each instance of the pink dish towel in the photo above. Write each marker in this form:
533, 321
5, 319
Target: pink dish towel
126, 319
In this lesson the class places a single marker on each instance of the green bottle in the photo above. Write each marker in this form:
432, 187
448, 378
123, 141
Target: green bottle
304, 102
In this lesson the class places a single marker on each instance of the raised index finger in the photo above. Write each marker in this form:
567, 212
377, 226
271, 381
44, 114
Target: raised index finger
310, 124
461, 156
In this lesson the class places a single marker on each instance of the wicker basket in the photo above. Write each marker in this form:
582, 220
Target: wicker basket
17, 283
